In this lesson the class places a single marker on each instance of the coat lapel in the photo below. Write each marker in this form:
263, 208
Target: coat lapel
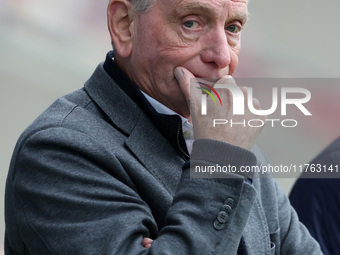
117, 105
156, 153
144, 139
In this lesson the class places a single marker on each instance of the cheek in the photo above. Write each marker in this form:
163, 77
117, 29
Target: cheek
160, 42
234, 60
168, 54
170, 46
150, 45
235, 48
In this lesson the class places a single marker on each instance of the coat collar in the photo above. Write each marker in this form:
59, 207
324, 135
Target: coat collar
117, 105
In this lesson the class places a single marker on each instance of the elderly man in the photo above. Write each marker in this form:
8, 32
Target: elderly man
105, 170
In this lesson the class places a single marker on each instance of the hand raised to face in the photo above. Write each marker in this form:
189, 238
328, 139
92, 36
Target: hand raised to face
240, 133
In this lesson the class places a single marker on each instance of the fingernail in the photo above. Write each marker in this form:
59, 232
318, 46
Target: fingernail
178, 73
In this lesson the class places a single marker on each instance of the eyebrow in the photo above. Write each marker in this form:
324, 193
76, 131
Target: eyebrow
243, 17
207, 9
199, 7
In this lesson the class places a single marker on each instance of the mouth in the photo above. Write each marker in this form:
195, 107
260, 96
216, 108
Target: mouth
211, 75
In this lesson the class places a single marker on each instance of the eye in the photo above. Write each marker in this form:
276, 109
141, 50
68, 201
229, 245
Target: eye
233, 29
191, 24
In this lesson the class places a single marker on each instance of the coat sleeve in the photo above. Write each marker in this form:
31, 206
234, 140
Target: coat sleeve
67, 194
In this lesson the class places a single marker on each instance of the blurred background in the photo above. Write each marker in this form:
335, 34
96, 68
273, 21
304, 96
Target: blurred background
50, 48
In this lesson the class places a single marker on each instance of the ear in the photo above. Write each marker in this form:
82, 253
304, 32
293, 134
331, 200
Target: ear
120, 21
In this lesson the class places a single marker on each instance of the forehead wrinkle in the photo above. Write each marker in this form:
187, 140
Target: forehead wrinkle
199, 7
242, 13
210, 10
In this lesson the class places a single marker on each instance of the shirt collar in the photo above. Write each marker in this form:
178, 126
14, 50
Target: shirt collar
161, 108
187, 128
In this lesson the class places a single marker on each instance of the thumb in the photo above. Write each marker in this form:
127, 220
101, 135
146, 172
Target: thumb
185, 81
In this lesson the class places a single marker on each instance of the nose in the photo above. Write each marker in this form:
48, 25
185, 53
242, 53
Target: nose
216, 49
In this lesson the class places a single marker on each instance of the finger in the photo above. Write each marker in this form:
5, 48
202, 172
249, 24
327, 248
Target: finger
188, 84
147, 242
228, 79
256, 103
224, 85
183, 77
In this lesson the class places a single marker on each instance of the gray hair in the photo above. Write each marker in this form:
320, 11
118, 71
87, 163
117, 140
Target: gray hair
138, 6
141, 5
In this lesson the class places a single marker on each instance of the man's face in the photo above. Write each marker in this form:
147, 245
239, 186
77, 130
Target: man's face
201, 35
